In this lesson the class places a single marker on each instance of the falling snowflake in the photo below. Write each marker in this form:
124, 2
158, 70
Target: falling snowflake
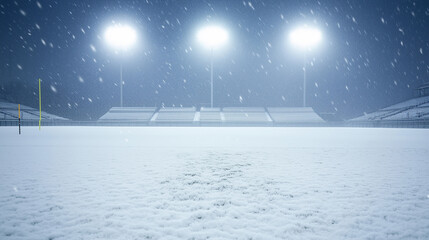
251, 6
93, 48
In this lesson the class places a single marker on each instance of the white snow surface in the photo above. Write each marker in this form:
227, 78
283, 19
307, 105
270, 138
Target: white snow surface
217, 183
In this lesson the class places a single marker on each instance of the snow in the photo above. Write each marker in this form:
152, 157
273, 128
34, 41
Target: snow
129, 113
409, 103
220, 183
416, 108
415, 113
10, 111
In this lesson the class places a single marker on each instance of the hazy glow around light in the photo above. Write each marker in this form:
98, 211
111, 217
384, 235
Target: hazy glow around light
305, 37
121, 37
212, 36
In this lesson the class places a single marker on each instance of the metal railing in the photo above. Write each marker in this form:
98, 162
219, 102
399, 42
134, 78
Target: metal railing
424, 123
364, 124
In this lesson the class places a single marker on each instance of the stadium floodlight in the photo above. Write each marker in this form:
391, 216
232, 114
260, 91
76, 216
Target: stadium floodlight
305, 38
212, 37
121, 38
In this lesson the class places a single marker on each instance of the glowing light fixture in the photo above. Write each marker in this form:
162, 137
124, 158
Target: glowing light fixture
212, 36
305, 37
120, 37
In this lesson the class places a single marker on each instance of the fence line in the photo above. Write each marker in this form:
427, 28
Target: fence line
367, 124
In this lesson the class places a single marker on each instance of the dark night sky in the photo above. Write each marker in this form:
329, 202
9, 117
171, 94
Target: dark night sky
374, 53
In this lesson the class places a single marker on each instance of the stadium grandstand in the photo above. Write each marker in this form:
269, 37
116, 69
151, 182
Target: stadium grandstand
29, 116
130, 115
413, 109
410, 113
174, 116
227, 116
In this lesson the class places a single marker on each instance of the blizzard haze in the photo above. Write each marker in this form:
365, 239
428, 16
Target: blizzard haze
373, 54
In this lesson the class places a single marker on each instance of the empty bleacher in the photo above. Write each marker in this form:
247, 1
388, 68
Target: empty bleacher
175, 115
179, 116
282, 115
210, 116
413, 109
128, 114
245, 115
9, 111
227, 116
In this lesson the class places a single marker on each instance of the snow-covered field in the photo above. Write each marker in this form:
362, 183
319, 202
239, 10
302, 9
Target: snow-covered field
220, 183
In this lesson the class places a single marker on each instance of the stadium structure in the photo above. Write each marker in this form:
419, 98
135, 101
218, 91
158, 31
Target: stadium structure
29, 116
410, 113
172, 116
227, 116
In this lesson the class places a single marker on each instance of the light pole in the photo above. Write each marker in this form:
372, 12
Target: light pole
122, 86
305, 38
212, 37
121, 38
